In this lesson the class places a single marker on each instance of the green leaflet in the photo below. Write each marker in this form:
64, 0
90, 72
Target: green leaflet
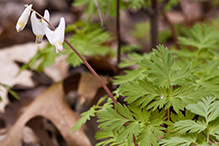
189, 125
129, 76
201, 36
161, 71
179, 141
126, 121
205, 108
165, 86
85, 116
143, 93
206, 124
47, 55
8, 88
111, 138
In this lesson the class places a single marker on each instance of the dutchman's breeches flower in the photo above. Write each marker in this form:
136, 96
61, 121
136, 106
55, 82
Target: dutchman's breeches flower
39, 25
22, 21
56, 37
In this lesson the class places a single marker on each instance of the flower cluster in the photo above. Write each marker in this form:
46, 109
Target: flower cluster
40, 27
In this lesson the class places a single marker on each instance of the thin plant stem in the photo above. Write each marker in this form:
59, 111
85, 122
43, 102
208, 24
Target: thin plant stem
134, 140
93, 72
154, 23
99, 12
85, 62
118, 33
168, 114
43, 19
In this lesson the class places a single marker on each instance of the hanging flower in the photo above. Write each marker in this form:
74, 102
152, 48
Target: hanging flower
22, 21
56, 37
39, 25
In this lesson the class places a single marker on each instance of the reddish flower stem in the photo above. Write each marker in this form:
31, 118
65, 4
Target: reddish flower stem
85, 62
93, 72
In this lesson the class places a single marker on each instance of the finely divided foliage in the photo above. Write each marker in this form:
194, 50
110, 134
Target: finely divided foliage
169, 99
164, 86
167, 105
190, 131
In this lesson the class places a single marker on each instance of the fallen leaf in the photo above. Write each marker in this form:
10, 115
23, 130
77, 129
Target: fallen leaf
51, 105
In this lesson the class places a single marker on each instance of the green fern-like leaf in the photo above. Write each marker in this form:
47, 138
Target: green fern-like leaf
111, 139
189, 125
159, 65
151, 129
161, 70
84, 117
179, 141
132, 128
209, 77
200, 37
206, 124
129, 76
110, 119
205, 108
144, 93
151, 125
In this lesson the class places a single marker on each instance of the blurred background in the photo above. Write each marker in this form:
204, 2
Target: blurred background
48, 120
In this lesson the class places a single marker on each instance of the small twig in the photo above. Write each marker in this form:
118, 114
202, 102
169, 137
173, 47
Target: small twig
118, 34
168, 114
85, 62
99, 12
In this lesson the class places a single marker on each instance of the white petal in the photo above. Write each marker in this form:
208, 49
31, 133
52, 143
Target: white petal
22, 21
60, 31
37, 26
47, 17
56, 37
49, 35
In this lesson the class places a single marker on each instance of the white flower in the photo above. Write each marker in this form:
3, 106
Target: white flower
39, 25
22, 21
56, 37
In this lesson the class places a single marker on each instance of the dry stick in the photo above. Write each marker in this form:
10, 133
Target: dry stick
118, 34
99, 12
85, 62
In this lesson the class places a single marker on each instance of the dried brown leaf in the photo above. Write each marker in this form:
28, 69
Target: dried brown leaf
52, 106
